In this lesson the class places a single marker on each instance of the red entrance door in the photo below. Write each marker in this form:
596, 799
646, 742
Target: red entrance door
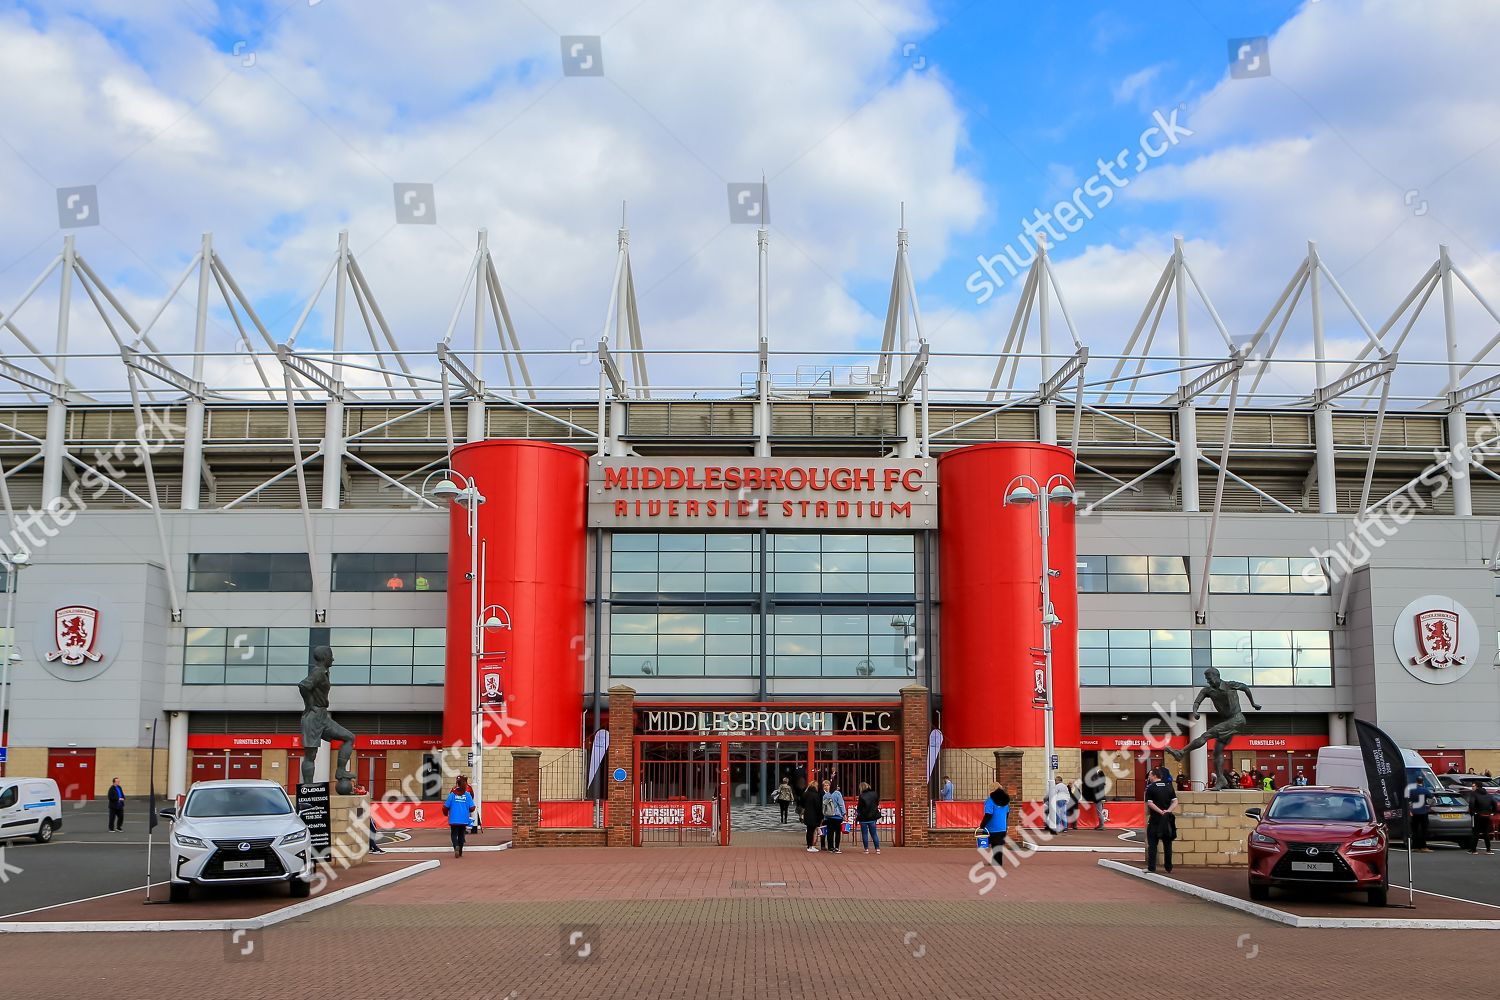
371, 770
244, 764
73, 770
208, 765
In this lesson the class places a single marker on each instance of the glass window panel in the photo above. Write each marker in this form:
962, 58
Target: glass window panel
892, 562
1231, 659
386, 656
343, 637
288, 656
1128, 564
236, 673
785, 624
1241, 674
429, 637
1137, 676
633, 583
1129, 657
795, 666
1168, 565
633, 562
1313, 658
1093, 637
1093, 657
206, 637
390, 637
1172, 676
430, 656
431, 674
1265, 658
1122, 583
730, 542
1270, 585
845, 562
680, 562
727, 643
1267, 638
799, 645
845, 583
730, 562
211, 562
203, 655
633, 645
352, 673
1313, 677
1093, 676
844, 543
1273, 676
634, 622
1226, 638
797, 562
891, 583
1268, 565
846, 645
248, 581
1171, 657
680, 583
679, 666
686, 542
394, 673
796, 583
643, 541
795, 543
285, 673
728, 583
728, 666
289, 637
1230, 565
352, 656
1120, 638
891, 543
194, 673
1169, 584
632, 666
1223, 583
1168, 638
1302, 585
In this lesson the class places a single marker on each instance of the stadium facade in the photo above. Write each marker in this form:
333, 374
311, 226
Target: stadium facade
767, 562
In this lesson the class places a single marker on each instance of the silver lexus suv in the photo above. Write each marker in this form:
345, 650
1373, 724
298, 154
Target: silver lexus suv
235, 832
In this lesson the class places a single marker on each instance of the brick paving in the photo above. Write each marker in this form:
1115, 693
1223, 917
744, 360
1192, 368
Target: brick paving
698, 924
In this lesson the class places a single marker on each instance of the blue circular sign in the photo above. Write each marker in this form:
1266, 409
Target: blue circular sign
619, 774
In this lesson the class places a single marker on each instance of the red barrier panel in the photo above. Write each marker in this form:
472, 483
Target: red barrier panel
1117, 815
690, 814
429, 815
566, 815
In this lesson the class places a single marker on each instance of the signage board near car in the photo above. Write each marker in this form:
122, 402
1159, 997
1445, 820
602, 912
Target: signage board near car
312, 806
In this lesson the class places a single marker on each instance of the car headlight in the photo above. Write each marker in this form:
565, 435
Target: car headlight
1262, 839
1373, 841
186, 841
295, 837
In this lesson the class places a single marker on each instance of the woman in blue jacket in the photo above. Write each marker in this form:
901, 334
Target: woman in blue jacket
459, 808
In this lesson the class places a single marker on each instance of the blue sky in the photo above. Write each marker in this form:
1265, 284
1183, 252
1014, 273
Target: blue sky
275, 124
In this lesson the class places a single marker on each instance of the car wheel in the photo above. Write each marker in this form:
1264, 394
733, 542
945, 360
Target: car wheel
301, 889
1376, 897
179, 892
1260, 893
44, 832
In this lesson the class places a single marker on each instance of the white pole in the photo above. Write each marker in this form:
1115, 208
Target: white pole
478, 767
10, 602
1044, 502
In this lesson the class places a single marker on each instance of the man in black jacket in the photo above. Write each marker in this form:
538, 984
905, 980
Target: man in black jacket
812, 812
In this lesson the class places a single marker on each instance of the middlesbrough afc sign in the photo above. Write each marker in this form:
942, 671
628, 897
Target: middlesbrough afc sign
75, 631
1436, 639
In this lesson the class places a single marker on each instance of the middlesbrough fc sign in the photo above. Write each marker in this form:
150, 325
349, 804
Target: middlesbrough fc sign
898, 495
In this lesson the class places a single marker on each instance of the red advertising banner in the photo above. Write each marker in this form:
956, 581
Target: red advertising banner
429, 815
293, 741
686, 813
1129, 815
887, 817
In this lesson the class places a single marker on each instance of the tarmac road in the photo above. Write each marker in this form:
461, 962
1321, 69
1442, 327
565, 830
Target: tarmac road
83, 860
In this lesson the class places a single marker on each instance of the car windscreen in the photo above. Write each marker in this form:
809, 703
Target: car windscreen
1449, 802
205, 803
1320, 807
1423, 776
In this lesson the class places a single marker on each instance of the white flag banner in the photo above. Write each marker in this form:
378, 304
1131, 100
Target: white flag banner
596, 755
934, 745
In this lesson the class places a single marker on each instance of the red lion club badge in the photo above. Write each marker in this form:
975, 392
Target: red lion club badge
76, 629
1437, 640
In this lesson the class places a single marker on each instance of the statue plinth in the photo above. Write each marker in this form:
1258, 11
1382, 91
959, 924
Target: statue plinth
348, 829
1212, 827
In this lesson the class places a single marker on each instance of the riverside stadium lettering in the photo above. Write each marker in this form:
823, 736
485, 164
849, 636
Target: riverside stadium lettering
889, 494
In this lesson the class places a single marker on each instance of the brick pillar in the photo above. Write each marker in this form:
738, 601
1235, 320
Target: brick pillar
914, 785
526, 783
1008, 773
619, 830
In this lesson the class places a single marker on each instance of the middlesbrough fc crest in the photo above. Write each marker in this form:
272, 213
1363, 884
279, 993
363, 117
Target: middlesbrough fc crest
76, 629
1437, 640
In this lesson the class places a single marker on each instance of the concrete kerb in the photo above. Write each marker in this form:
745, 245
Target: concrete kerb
1274, 915
470, 849
248, 923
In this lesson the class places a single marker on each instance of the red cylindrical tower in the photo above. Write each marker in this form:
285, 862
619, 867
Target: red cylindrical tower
533, 537
989, 586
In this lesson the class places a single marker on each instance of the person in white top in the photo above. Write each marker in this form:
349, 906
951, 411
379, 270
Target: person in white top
1059, 801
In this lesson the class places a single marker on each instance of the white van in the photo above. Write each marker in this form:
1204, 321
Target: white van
29, 807
1346, 766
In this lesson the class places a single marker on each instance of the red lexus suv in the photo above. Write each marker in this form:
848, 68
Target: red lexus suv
1323, 836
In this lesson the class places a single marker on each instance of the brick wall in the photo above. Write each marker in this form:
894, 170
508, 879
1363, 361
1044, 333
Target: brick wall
131, 765
621, 755
525, 809
1212, 827
914, 736
27, 762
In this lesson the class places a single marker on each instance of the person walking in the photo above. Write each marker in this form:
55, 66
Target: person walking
1417, 797
1095, 783
784, 797
459, 809
116, 807
833, 814
1482, 805
867, 812
1058, 801
812, 813
1266, 783
945, 794
1161, 818
996, 819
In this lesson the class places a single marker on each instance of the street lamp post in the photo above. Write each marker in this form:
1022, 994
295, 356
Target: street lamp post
1021, 491
13, 570
469, 498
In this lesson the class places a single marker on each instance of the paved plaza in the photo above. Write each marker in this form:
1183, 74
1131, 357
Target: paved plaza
750, 922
